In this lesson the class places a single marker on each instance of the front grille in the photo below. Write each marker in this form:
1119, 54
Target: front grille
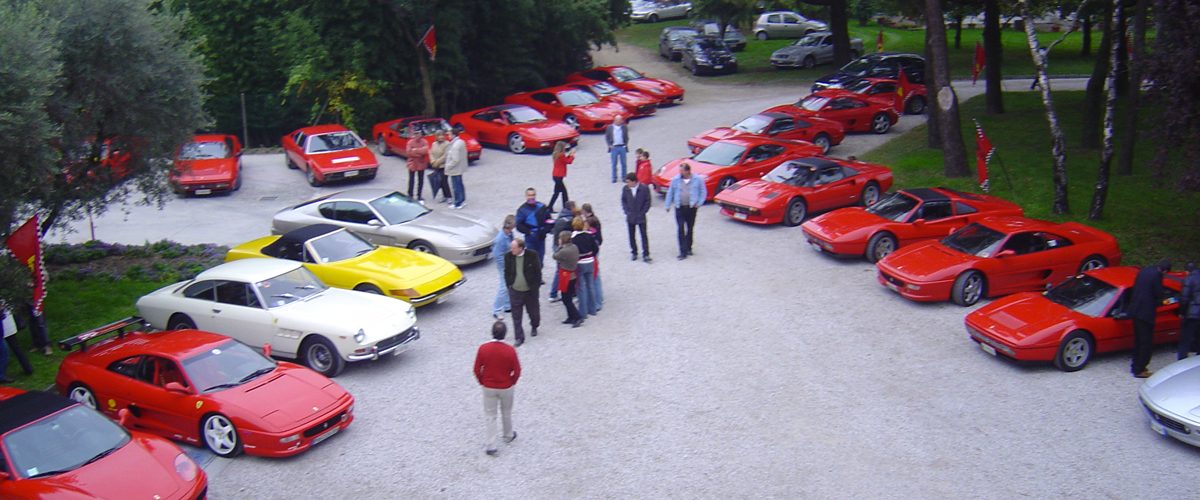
212, 185
321, 427
481, 251
396, 340
891, 279
1167, 422
737, 208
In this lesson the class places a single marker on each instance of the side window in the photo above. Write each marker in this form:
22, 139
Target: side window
353, 212
773, 18
884, 88
596, 75
327, 210
915, 70
161, 371
934, 210
961, 208
299, 139
544, 97
1025, 243
802, 124
790, 20
127, 367
782, 125
1053, 241
829, 175
236, 293
827, 41
202, 290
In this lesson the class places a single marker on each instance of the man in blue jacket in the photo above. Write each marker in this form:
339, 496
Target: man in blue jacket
531, 221
685, 195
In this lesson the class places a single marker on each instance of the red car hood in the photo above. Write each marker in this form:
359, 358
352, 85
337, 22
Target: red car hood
153, 478
285, 398
1021, 319
926, 261
844, 221
753, 193
547, 130
605, 110
345, 159
211, 169
634, 98
713, 135
670, 170
792, 109
647, 84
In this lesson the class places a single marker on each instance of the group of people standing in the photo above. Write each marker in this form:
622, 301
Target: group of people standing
447, 161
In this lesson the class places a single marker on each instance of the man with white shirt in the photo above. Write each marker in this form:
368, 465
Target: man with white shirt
686, 194
617, 137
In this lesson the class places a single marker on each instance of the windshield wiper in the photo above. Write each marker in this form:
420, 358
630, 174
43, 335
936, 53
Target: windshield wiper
363, 251
284, 295
101, 455
50, 473
257, 373
223, 386
305, 287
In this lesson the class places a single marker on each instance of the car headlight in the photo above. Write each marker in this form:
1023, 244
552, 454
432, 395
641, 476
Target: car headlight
288, 439
587, 113
360, 336
185, 467
656, 91
732, 59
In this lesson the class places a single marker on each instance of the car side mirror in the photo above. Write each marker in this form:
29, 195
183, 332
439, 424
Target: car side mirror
123, 417
374, 222
267, 350
498, 121
1120, 315
175, 387
1005, 253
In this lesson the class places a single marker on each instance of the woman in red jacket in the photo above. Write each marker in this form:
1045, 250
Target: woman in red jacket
561, 158
417, 152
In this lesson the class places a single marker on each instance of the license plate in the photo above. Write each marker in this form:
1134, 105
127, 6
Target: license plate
719, 66
739, 215
351, 173
893, 286
817, 246
203, 191
326, 435
1157, 427
987, 348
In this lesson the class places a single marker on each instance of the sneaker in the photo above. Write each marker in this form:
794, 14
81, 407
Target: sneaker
647, 259
497, 316
510, 439
555, 299
492, 452
533, 332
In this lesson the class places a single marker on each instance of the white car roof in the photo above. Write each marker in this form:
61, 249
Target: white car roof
249, 270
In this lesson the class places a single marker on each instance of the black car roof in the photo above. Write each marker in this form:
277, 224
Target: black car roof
776, 115
927, 194
303, 234
818, 163
502, 107
22, 409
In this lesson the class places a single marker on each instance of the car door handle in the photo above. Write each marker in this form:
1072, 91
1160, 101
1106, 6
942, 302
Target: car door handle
218, 311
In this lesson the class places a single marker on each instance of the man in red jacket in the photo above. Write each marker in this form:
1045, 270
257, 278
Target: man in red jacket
497, 370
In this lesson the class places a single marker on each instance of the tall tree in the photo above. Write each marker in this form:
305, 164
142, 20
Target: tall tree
1129, 131
993, 51
933, 138
839, 27
1093, 101
725, 12
954, 154
1100, 193
1058, 150
1172, 75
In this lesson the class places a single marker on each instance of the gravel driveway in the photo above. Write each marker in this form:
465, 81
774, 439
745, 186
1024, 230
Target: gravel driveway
757, 368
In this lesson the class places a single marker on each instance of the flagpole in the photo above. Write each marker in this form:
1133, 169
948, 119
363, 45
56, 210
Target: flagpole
1005, 169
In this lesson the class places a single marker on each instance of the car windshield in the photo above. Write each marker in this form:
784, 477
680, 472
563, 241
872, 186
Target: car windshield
430, 127
289, 287
397, 208
808, 41
858, 66
894, 206
1083, 294
576, 98
624, 74
524, 115
228, 365
204, 150
339, 245
794, 173
62, 442
681, 34
812, 103
975, 239
755, 124
605, 88
859, 86
721, 153
336, 141
710, 44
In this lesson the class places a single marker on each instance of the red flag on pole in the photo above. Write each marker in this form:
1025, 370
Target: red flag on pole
983, 155
26, 247
429, 41
980, 62
879, 42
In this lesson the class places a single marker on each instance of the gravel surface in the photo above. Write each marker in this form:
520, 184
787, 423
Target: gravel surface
756, 368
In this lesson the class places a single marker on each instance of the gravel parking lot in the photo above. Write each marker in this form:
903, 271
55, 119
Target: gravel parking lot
757, 368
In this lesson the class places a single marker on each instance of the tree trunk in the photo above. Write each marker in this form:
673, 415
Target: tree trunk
958, 32
841, 32
934, 139
954, 152
1130, 130
1122, 44
426, 82
1058, 150
1093, 100
1086, 49
993, 50
1110, 105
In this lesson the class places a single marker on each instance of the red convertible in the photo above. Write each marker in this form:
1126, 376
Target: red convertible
855, 112
200, 387
996, 256
819, 131
391, 137
329, 153
518, 127
626, 78
788, 193
577, 108
727, 161
208, 164
910, 99
1067, 324
52, 447
899, 219
637, 103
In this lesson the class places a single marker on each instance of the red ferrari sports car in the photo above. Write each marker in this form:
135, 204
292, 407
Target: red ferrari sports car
906, 99
789, 192
637, 103
200, 387
391, 137
52, 447
520, 128
996, 256
727, 161
208, 164
901, 218
329, 153
819, 131
855, 112
111, 160
1067, 324
624, 77
575, 107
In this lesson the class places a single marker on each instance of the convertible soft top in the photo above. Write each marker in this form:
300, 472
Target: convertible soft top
289, 244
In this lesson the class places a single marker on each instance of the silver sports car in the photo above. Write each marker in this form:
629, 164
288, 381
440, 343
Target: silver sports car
1171, 398
389, 218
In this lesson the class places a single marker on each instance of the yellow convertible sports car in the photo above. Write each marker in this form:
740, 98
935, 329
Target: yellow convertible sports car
342, 259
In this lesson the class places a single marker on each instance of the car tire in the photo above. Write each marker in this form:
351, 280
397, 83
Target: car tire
1092, 262
180, 321
319, 354
368, 288
220, 436
824, 142
724, 184
762, 35
880, 245
237, 182
653, 18
870, 194
880, 123
810, 62
915, 106
381, 146
516, 144
1074, 351
422, 246
290, 164
795, 213
82, 394
312, 179
572, 121
969, 287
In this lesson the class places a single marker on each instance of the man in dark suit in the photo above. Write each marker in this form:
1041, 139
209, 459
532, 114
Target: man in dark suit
1189, 310
523, 275
1143, 308
635, 201
617, 138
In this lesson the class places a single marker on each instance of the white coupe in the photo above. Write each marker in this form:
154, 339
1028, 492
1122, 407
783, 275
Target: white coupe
281, 303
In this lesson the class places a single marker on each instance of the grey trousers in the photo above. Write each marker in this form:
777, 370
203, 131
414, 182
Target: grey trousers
493, 398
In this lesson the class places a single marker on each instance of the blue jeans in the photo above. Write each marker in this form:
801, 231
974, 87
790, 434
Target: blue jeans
460, 195
537, 242
598, 288
554, 282
585, 288
618, 153
501, 302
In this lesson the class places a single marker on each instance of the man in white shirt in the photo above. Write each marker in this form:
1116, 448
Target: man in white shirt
617, 137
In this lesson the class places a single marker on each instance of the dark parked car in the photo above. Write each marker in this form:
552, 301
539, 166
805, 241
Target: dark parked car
878, 65
734, 39
673, 40
708, 54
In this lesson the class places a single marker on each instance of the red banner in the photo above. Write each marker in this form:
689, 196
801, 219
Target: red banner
983, 155
429, 41
980, 62
879, 42
26, 247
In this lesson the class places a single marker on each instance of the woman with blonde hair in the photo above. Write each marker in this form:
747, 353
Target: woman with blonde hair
562, 157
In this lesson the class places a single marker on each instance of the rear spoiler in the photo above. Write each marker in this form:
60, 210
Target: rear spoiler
119, 327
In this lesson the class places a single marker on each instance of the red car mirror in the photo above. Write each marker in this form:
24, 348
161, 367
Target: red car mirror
175, 387
123, 416
1005, 253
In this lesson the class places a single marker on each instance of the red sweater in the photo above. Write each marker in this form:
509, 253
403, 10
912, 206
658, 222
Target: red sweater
497, 366
643, 172
560, 165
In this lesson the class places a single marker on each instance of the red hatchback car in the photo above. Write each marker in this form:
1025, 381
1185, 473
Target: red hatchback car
520, 128
996, 256
626, 78
204, 389
855, 112
329, 153
575, 107
391, 137
819, 131
210, 163
789, 192
637, 103
910, 99
1069, 323
52, 447
900, 219
727, 161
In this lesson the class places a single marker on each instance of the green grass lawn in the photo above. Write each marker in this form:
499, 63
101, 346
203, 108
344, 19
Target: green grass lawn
1150, 221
